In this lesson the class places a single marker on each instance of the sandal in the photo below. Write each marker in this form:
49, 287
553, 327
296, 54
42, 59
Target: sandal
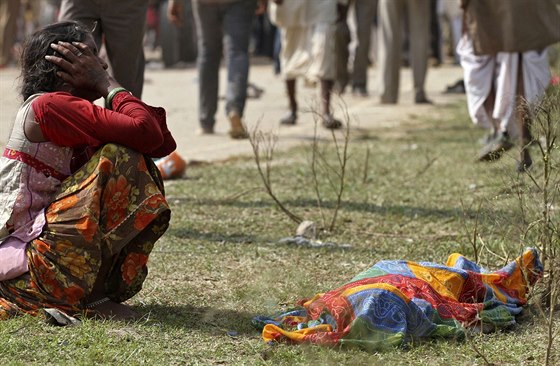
495, 148
237, 130
289, 120
331, 123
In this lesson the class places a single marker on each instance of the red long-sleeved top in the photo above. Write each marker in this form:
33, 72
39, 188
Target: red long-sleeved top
75, 122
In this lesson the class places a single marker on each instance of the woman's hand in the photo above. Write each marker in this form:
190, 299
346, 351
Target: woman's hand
175, 13
80, 67
261, 7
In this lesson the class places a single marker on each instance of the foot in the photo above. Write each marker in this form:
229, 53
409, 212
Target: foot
331, 123
421, 98
457, 88
114, 311
434, 62
495, 148
289, 120
205, 131
386, 100
254, 92
237, 130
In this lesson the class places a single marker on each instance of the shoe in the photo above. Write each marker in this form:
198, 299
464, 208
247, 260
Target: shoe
171, 166
386, 100
254, 92
421, 98
331, 123
237, 130
457, 88
205, 131
495, 148
360, 91
434, 62
289, 120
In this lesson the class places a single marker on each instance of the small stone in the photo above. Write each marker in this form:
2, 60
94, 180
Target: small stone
232, 333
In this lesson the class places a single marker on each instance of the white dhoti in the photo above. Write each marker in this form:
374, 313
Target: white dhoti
308, 52
308, 37
500, 72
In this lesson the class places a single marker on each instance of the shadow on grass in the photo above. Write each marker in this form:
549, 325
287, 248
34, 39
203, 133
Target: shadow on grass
189, 233
206, 319
402, 210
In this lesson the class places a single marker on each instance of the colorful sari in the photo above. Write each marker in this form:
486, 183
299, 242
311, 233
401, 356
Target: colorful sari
397, 303
112, 209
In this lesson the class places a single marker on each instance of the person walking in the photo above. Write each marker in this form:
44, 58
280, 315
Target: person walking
119, 25
491, 83
364, 13
392, 14
308, 49
221, 25
506, 68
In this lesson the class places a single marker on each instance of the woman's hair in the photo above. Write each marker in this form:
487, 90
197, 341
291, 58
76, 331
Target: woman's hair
38, 74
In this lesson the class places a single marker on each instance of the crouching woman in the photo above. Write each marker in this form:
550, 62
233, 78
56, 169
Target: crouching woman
81, 202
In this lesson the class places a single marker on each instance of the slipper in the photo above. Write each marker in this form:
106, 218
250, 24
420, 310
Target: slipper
289, 120
331, 123
58, 317
495, 148
237, 130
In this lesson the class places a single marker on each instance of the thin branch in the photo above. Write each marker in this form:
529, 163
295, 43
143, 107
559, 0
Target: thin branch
256, 138
314, 173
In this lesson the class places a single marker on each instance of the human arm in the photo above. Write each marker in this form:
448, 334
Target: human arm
69, 120
261, 7
175, 12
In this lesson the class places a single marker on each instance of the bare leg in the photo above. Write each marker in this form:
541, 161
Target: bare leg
326, 91
291, 90
291, 118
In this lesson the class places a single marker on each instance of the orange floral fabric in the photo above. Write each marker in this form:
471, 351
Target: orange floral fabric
113, 208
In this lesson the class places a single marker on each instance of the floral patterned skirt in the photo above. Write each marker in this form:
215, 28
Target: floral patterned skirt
111, 210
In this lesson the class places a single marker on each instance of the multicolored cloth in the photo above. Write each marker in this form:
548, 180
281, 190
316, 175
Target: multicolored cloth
396, 303
113, 210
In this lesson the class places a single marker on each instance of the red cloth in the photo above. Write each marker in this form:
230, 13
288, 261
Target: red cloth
75, 122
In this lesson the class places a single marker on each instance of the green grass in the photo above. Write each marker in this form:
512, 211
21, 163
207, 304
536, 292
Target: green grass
220, 263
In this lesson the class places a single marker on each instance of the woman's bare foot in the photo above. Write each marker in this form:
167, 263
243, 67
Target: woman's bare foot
113, 311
